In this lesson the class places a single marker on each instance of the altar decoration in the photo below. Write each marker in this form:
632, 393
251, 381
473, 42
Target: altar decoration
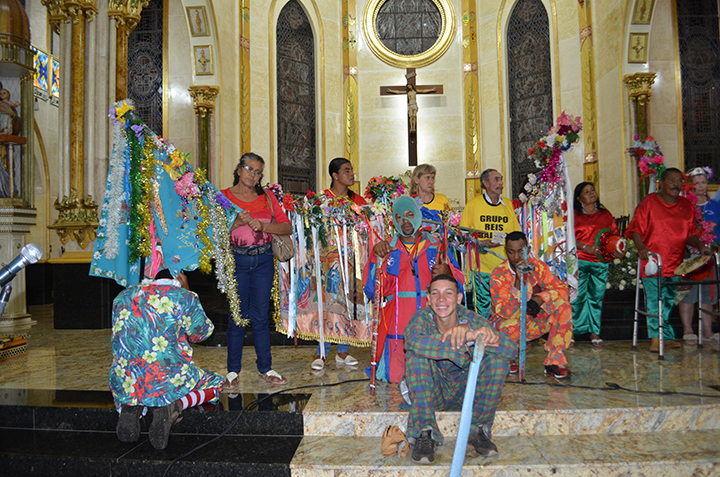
158, 212
649, 158
546, 214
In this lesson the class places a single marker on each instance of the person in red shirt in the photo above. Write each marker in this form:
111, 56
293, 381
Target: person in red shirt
251, 239
342, 178
590, 217
664, 223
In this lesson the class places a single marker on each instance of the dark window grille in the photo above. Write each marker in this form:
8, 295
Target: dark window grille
145, 66
296, 100
408, 27
700, 76
529, 84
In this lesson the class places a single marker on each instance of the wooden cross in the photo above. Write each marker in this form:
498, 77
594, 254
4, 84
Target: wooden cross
412, 90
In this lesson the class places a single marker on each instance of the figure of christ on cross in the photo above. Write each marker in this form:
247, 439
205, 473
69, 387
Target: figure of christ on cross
412, 90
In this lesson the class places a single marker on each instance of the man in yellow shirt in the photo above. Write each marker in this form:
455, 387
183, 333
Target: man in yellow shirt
495, 218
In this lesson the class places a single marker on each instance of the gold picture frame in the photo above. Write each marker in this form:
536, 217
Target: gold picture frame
197, 18
643, 11
203, 60
638, 48
447, 34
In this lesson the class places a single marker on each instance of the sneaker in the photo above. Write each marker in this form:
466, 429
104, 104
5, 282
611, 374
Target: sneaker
482, 443
514, 368
163, 419
348, 360
318, 364
557, 371
424, 449
128, 426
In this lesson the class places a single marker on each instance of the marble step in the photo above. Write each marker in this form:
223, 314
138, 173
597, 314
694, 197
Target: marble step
72, 453
571, 422
660, 454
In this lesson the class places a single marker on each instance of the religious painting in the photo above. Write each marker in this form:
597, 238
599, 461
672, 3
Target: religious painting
637, 50
198, 21
55, 86
203, 60
409, 34
643, 12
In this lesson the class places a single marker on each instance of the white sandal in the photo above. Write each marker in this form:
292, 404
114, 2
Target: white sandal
690, 339
231, 376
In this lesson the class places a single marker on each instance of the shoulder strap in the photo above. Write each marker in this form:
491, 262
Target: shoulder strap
272, 209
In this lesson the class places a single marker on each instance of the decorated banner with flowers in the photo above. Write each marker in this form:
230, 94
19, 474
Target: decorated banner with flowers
649, 158
157, 207
546, 215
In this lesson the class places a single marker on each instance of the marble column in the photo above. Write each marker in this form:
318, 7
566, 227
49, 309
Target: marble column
245, 139
471, 87
590, 134
639, 87
350, 89
126, 14
77, 98
204, 104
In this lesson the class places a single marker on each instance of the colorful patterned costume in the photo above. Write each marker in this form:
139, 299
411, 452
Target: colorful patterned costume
152, 360
664, 229
481, 214
404, 290
587, 307
555, 316
437, 375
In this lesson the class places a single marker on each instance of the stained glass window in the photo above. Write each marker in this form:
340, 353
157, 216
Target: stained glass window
41, 63
409, 27
529, 84
55, 85
145, 66
700, 76
296, 100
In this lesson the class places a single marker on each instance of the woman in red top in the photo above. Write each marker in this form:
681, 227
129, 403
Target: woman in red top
342, 178
590, 218
254, 265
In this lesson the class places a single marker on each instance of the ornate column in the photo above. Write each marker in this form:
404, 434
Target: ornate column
126, 14
245, 145
473, 165
639, 88
204, 104
350, 88
590, 165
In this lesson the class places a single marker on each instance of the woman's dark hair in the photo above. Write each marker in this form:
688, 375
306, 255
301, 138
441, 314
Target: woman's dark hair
576, 196
164, 273
334, 167
247, 157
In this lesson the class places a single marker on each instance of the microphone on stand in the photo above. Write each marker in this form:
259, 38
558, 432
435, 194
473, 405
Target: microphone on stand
29, 254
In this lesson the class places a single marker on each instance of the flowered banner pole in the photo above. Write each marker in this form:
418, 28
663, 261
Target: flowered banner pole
156, 206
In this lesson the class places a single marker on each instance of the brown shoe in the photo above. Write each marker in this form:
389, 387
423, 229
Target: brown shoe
672, 344
654, 345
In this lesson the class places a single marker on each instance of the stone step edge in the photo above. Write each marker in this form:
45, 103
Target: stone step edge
529, 423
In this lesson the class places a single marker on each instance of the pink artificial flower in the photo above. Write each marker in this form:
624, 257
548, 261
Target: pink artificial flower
455, 219
657, 159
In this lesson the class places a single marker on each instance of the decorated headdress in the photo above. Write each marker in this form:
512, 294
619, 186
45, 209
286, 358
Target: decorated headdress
701, 171
401, 205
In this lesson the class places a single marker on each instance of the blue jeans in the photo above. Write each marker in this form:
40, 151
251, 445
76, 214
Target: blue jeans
341, 348
254, 276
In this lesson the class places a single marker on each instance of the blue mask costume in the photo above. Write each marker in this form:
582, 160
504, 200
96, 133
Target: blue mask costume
401, 205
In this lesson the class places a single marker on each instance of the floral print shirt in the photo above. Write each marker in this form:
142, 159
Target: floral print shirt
152, 359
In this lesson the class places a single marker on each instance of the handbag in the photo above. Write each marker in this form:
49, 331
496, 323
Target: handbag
283, 246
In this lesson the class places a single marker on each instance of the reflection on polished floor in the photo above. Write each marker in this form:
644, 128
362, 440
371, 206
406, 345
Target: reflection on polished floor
543, 424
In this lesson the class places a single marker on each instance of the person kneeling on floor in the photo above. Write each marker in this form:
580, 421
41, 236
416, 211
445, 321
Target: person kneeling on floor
438, 343
152, 360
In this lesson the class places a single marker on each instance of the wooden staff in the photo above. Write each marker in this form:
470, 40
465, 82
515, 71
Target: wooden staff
376, 323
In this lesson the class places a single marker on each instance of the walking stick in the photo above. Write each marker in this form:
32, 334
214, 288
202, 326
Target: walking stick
467, 408
523, 315
375, 323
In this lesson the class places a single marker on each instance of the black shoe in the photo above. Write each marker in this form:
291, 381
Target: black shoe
482, 444
163, 419
558, 372
128, 426
424, 450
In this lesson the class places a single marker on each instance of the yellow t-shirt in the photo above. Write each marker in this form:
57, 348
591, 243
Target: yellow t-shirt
481, 215
440, 202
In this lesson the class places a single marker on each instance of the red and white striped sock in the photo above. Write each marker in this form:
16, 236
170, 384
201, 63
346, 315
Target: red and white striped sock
196, 398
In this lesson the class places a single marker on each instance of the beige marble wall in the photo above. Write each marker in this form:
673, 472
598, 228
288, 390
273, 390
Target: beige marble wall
383, 124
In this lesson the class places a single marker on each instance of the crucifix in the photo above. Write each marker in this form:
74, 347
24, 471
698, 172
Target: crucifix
412, 90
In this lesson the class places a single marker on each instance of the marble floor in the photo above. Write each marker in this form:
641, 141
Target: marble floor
614, 392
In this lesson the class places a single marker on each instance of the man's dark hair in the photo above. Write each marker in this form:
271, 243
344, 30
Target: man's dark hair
444, 276
485, 176
164, 273
513, 236
668, 171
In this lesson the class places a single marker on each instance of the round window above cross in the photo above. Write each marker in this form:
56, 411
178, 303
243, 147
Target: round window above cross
409, 33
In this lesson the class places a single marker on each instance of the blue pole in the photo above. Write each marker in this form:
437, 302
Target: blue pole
523, 319
466, 414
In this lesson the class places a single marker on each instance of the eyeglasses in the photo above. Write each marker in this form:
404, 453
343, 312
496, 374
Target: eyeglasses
252, 171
